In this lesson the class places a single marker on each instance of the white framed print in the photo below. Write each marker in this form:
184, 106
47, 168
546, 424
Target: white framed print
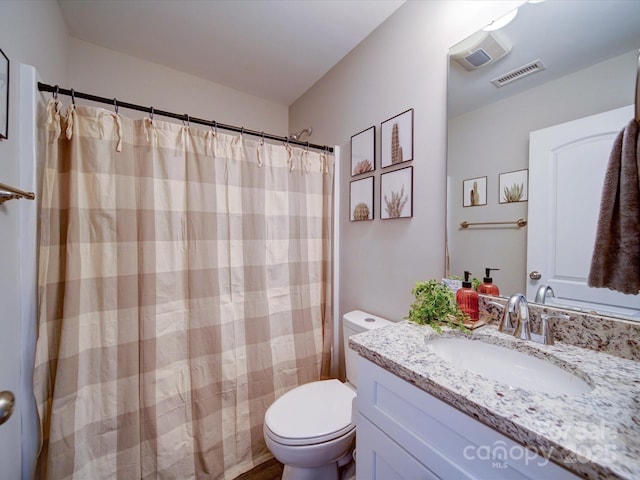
361, 200
514, 186
474, 192
363, 152
396, 194
396, 139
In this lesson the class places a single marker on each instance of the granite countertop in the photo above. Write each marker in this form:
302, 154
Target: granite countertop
595, 435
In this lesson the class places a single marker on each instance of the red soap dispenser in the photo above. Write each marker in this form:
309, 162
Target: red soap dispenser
467, 299
488, 287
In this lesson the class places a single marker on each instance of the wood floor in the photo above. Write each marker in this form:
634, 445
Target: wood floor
269, 470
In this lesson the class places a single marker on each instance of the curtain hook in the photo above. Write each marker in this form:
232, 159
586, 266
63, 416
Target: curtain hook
262, 137
115, 104
55, 92
215, 127
73, 97
151, 114
307, 146
242, 132
188, 120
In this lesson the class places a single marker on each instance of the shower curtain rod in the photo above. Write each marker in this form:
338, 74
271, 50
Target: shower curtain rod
56, 90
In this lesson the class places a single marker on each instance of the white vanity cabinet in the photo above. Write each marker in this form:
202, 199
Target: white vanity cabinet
406, 433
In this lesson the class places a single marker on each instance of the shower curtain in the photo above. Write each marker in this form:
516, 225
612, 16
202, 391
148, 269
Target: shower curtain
184, 284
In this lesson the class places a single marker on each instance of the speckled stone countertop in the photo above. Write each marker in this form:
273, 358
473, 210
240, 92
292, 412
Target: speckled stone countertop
595, 435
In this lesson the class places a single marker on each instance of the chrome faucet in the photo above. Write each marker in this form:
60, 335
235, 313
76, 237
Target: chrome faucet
543, 292
519, 307
515, 317
515, 321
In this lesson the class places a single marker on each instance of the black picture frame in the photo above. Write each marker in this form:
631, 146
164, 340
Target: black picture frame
361, 199
396, 139
396, 194
4, 96
363, 152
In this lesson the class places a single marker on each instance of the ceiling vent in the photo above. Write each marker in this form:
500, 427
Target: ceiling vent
480, 50
518, 73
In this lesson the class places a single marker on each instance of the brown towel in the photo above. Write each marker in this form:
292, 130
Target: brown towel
615, 263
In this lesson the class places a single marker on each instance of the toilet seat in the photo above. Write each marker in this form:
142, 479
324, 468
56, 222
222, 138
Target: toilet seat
313, 413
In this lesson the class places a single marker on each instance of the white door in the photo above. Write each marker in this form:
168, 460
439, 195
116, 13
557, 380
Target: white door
18, 233
567, 164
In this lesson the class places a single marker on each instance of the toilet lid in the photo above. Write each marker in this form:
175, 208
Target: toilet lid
312, 413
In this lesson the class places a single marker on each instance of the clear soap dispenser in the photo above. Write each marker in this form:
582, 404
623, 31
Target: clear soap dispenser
488, 287
467, 299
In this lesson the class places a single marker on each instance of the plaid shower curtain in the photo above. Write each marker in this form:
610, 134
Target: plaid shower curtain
184, 284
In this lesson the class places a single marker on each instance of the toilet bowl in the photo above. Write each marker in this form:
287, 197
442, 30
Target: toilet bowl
311, 429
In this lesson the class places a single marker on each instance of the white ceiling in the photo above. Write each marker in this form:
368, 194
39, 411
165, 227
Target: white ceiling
567, 35
273, 49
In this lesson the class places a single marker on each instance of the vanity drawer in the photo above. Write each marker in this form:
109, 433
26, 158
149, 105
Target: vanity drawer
448, 442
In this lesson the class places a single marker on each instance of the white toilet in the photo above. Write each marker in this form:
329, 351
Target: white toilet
311, 429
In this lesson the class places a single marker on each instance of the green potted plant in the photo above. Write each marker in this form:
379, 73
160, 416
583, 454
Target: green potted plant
436, 305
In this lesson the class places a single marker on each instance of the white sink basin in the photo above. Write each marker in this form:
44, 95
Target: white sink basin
507, 366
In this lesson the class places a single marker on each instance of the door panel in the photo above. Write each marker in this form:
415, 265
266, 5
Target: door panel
567, 164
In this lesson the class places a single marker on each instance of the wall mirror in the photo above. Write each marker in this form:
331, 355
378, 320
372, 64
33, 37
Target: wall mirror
555, 62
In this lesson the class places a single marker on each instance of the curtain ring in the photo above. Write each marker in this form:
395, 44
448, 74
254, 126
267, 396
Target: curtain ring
307, 148
242, 132
73, 97
55, 92
215, 127
151, 114
115, 104
262, 138
188, 120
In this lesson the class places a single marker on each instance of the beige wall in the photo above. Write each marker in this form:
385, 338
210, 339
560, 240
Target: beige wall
104, 72
401, 65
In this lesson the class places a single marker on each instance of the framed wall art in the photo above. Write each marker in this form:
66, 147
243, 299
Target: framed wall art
396, 142
514, 186
361, 199
363, 152
4, 96
396, 194
474, 192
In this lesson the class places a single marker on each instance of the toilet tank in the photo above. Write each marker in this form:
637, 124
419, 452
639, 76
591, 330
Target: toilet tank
354, 322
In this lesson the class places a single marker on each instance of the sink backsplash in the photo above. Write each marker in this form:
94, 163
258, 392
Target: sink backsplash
596, 332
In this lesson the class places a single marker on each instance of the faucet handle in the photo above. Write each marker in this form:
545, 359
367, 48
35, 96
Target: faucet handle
545, 330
